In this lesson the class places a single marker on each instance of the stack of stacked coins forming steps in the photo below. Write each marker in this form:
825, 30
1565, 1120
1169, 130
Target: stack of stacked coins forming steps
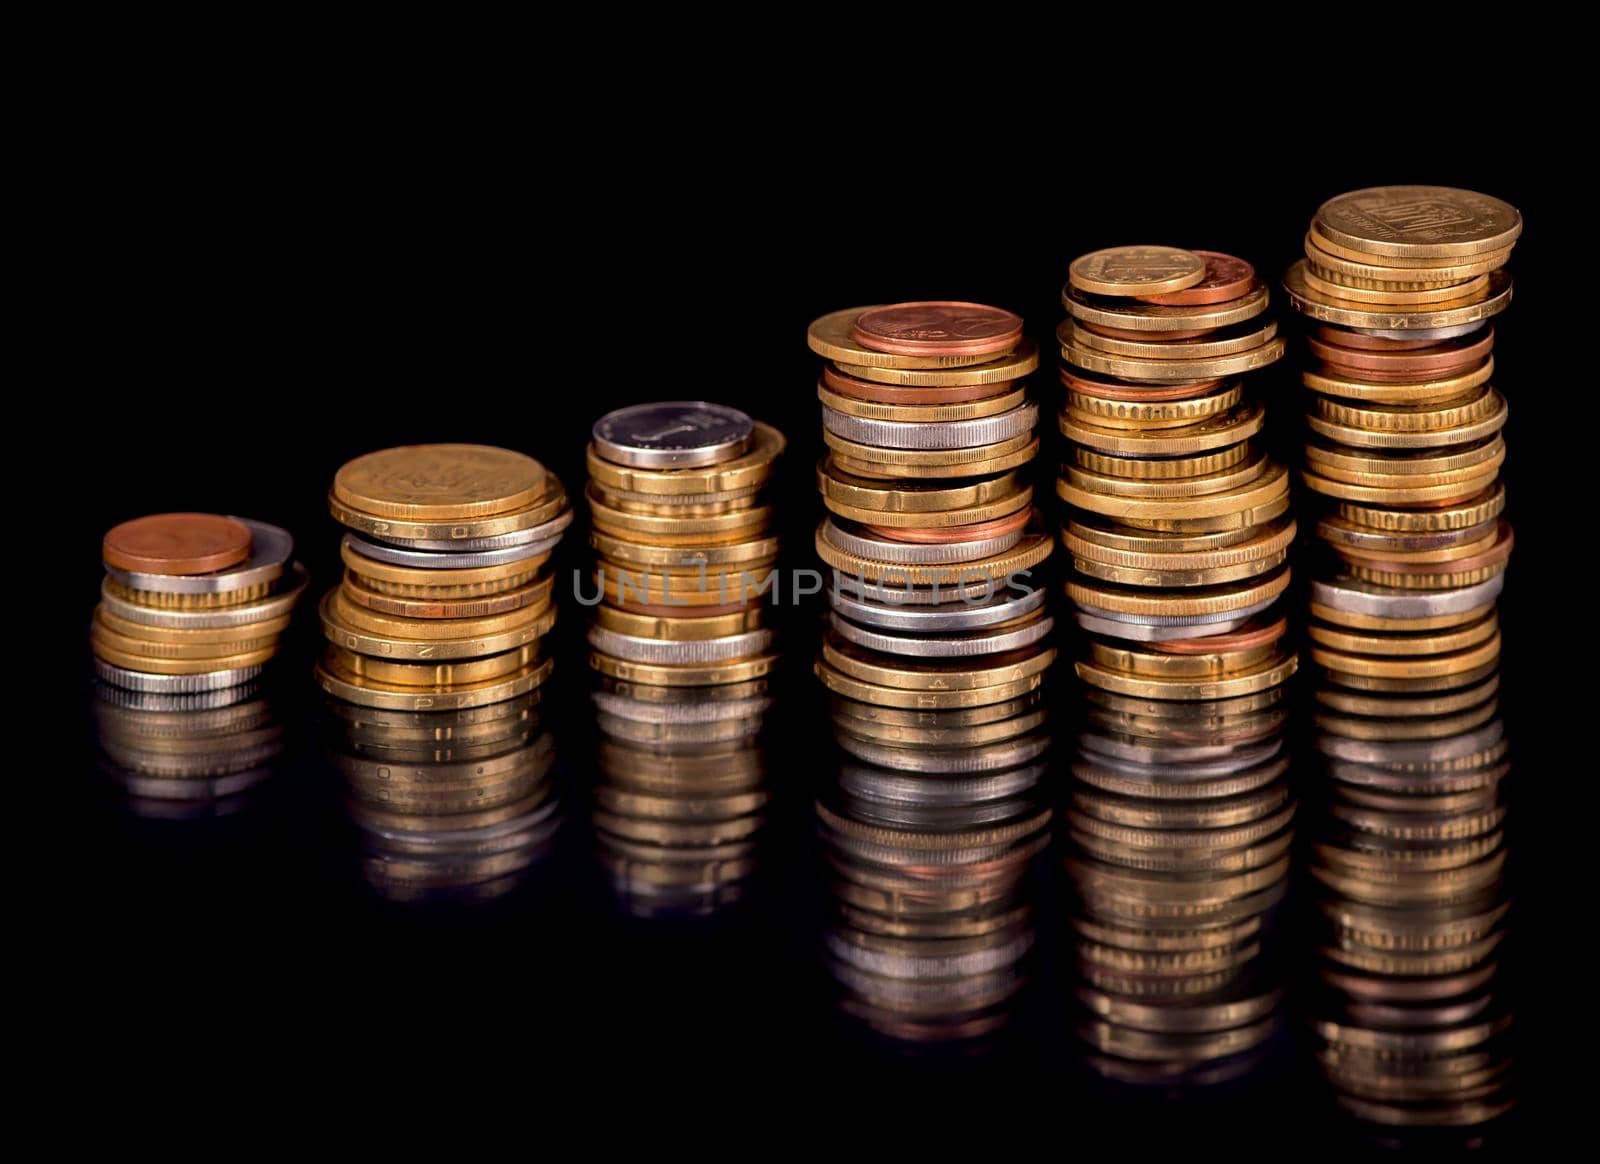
1401, 282
931, 532
1412, 1024
187, 757
192, 607
444, 601
1178, 527
684, 545
929, 832
683, 794
449, 805
1180, 824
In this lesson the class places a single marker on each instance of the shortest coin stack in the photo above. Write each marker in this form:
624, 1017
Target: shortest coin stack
192, 604
685, 551
444, 601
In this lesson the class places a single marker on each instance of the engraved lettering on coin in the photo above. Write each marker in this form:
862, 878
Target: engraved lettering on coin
444, 482
1136, 270
1402, 220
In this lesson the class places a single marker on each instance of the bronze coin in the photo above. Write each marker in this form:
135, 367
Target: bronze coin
1123, 333
176, 543
846, 385
1420, 362
1240, 640
1121, 390
938, 327
1374, 376
956, 533
1226, 278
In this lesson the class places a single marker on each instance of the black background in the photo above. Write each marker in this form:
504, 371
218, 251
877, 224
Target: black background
250, 306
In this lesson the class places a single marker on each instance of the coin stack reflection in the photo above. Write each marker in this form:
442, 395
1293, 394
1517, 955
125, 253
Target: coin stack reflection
684, 544
1178, 527
1405, 441
187, 756
929, 833
1412, 1022
683, 793
931, 531
192, 604
1180, 824
444, 601
450, 805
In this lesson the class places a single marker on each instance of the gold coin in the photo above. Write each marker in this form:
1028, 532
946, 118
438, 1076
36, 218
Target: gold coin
473, 606
1159, 665
1269, 483
1021, 450
1391, 439
266, 628
1471, 547
1428, 577
1172, 371
730, 586
1425, 643
1154, 317
370, 693
1270, 675
1141, 414
106, 637
1475, 511
393, 637
1451, 663
1418, 465
1266, 543
934, 675
165, 600
1034, 548
865, 493
1447, 414
726, 527
446, 674
1214, 432
1386, 490
832, 338
1141, 541
634, 553
377, 575
966, 410
546, 509
1136, 270
965, 736
1022, 361
440, 483
655, 505
1393, 297
873, 454
1419, 393
1175, 577
151, 666
1199, 348
1160, 468
936, 519
1412, 686
1484, 305
744, 472
1359, 273
1418, 222
1397, 625
1215, 600
677, 630
700, 675
1233, 476
923, 701
1390, 706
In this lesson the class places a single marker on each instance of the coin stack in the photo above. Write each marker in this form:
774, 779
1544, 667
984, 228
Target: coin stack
192, 606
453, 805
685, 553
1178, 527
683, 794
931, 532
1180, 824
929, 831
444, 601
1412, 1025
1404, 442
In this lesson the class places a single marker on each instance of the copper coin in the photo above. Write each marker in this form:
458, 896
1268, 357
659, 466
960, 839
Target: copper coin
1144, 336
955, 533
1226, 278
1372, 376
938, 327
176, 543
1127, 390
1496, 554
1371, 343
846, 385
1429, 361
1240, 640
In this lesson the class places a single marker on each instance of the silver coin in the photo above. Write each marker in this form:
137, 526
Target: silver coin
1362, 538
884, 592
174, 684
445, 838
129, 700
276, 606
705, 711
638, 649
1358, 597
187, 789
1167, 773
636, 731
955, 761
932, 434
940, 967
523, 537
917, 553
1410, 753
270, 549
434, 560
672, 434
1134, 750
936, 817
1141, 633
885, 784
1431, 333
945, 646
1002, 605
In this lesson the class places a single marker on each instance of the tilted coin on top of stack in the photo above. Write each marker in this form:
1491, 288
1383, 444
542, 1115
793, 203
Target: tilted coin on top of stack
1179, 528
192, 606
931, 532
684, 544
1401, 282
444, 601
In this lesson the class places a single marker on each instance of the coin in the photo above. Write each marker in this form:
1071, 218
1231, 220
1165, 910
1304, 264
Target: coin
933, 435
176, 543
953, 383
1423, 222
440, 482
937, 328
1467, 311
988, 405
1136, 270
673, 434
1135, 315
832, 337
1225, 278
